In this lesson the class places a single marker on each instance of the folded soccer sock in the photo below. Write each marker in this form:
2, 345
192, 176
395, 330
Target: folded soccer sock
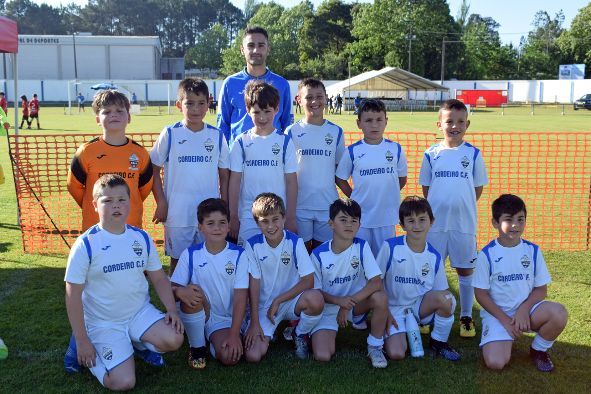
307, 323
375, 342
194, 327
540, 344
466, 295
442, 328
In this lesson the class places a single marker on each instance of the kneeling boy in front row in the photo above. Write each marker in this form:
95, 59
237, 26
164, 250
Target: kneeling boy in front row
351, 285
510, 285
414, 277
211, 281
107, 295
281, 281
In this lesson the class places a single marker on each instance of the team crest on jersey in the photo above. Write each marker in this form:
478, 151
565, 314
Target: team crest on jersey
328, 139
137, 248
107, 353
425, 270
230, 268
465, 162
355, 262
276, 149
389, 156
208, 144
525, 262
133, 162
285, 258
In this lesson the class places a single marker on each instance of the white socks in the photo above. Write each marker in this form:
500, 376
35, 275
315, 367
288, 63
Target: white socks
540, 344
466, 295
194, 327
375, 342
307, 323
442, 327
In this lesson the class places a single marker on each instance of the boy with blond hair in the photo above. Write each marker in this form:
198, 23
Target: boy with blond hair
453, 176
195, 158
107, 296
111, 153
281, 281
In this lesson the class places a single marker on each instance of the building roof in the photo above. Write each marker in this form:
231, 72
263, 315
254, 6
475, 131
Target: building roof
384, 80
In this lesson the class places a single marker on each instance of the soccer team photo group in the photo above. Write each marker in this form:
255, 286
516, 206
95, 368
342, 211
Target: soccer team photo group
284, 239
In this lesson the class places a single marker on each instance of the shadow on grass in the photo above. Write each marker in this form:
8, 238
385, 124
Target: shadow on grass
5, 246
10, 226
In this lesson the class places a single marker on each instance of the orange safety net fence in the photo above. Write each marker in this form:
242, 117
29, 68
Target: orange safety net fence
550, 171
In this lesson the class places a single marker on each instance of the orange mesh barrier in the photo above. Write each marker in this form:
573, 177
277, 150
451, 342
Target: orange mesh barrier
550, 171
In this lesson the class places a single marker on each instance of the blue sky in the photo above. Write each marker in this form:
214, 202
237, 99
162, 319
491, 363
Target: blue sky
514, 16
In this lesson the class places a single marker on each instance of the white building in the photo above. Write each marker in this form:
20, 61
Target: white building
89, 57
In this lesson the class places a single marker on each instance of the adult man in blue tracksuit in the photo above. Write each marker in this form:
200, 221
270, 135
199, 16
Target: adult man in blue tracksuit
233, 118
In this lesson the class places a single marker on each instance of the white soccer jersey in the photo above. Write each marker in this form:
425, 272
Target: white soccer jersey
452, 174
263, 162
217, 274
409, 275
318, 150
375, 170
111, 267
510, 274
346, 273
280, 268
191, 160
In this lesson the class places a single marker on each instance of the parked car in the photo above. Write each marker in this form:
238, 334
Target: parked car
583, 102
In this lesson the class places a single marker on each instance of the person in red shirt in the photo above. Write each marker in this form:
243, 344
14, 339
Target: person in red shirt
25, 109
34, 111
3, 103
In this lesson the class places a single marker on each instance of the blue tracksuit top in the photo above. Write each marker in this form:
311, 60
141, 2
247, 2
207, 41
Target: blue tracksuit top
232, 116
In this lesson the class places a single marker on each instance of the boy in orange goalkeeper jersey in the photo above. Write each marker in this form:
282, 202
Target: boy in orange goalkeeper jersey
111, 153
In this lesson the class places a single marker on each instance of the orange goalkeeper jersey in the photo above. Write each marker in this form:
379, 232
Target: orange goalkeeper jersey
96, 158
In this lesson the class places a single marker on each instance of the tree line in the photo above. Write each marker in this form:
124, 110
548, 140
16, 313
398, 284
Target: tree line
330, 40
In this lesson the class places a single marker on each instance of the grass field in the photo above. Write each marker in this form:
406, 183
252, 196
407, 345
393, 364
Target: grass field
34, 325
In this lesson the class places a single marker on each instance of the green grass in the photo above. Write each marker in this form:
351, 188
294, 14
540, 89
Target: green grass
34, 324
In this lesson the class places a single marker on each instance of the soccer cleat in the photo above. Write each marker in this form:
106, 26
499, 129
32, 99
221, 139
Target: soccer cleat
424, 329
541, 360
467, 329
301, 346
71, 357
376, 355
155, 359
197, 357
444, 350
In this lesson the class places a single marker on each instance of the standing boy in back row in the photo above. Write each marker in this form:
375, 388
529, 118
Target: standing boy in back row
453, 176
378, 169
196, 165
319, 144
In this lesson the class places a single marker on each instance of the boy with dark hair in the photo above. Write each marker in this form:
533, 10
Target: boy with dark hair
211, 283
351, 285
196, 164
233, 117
34, 110
453, 176
107, 296
281, 281
111, 153
414, 278
510, 284
261, 159
378, 169
319, 144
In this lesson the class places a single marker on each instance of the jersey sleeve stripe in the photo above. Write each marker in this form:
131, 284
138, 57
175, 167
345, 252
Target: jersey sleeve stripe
286, 138
339, 135
485, 250
220, 141
78, 170
146, 175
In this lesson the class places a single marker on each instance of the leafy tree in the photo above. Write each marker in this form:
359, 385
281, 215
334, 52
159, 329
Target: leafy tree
35, 19
575, 44
541, 54
207, 53
381, 31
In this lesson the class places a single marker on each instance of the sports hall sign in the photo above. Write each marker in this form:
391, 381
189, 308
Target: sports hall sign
39, 40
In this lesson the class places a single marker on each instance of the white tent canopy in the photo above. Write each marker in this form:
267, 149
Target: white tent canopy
389, 82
